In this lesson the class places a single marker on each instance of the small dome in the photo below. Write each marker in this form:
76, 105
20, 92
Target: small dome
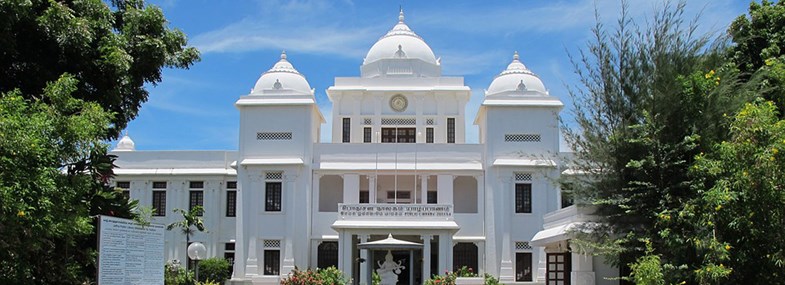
282, 76
125, 144
401, 42
516, 78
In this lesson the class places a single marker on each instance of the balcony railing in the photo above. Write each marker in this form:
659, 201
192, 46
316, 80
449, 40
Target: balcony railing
419, 212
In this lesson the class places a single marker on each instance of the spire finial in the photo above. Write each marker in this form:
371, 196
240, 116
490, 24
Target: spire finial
400, 15
515, 56
283, 54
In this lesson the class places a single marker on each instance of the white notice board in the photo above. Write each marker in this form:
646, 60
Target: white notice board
129, 253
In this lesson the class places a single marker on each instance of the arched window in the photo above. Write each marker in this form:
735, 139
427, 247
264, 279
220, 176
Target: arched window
465, 254
328, 254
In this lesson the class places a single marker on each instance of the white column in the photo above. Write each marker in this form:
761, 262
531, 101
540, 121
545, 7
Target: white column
444, 184
542, 264
252, 264
445, 252
424, 190
364, 267
345, 261
426, 257
289, 194
372, 189
582, 269
506, 271
351, 188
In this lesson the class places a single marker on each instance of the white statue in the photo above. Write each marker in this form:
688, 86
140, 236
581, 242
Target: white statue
389, 270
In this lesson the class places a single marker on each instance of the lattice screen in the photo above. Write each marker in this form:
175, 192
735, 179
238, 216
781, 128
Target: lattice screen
523, 176
274, 136
273, 175
399, 121
522, 245
368, 121
522, 137
429, 121
272, 243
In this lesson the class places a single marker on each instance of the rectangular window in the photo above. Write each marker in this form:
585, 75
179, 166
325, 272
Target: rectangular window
428, 135
123, 184
523, 198
159, 203
433, 197
523, 266
127, 194
196, 198
196, 184
366, 135
229, 254
272, 261
347, 125
364, 197
272, 194
450, 130
159, 185
231, 184
400, 135
400, 194
231, 203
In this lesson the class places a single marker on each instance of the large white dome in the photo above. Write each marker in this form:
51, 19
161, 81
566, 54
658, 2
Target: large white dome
282, 76
400, 42
516, 78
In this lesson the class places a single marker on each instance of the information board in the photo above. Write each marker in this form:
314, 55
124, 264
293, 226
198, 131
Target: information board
129, 253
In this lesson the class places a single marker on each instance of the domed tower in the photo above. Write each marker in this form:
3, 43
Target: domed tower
519, 130
400, 95
279, 125
401, 53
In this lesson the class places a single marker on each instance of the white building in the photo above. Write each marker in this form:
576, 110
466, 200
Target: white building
397, 164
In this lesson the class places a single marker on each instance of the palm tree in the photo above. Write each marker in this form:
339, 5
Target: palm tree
192, 218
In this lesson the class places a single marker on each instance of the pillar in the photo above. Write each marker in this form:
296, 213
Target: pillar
426, 257
506, 271
424, 190
444, 184
582, 269
445, 252
372, 189
365, 274
351, 188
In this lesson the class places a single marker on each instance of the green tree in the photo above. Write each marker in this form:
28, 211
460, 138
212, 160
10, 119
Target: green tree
72, 74
759, 44
741, 209
53, 169
650, 98
112, 52
191, 222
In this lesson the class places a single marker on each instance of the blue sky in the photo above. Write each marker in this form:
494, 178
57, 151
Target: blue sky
239, 40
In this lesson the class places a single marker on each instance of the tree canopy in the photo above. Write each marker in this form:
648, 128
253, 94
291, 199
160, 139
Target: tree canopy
72, 74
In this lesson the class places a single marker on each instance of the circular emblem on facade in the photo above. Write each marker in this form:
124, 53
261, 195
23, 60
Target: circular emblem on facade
399, 103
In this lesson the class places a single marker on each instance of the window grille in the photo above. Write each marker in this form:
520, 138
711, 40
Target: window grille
367, 121
327, 254
231, 203
523, 176
273, 175
367, 134
522, 245
196, 198
399, 121
272, 243
272, 193
159, 185
231, 184
347, 129
450, 130
274, 136
159, 203
523, 198
124, 184
196, 184
522, 137
428, 135
429, 121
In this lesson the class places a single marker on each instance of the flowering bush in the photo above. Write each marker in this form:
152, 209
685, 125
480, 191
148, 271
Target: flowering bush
325, 276
449, 277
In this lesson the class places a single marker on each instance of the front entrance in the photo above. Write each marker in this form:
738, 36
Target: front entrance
559, 268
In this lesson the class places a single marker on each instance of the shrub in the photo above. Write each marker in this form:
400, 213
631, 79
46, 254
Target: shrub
449, 277
215, 269
326, 276
174, 274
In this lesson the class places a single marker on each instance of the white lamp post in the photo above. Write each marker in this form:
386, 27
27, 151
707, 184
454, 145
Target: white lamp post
197, 251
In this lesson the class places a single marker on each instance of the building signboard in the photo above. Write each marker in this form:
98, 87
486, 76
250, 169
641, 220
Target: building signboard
129, 253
